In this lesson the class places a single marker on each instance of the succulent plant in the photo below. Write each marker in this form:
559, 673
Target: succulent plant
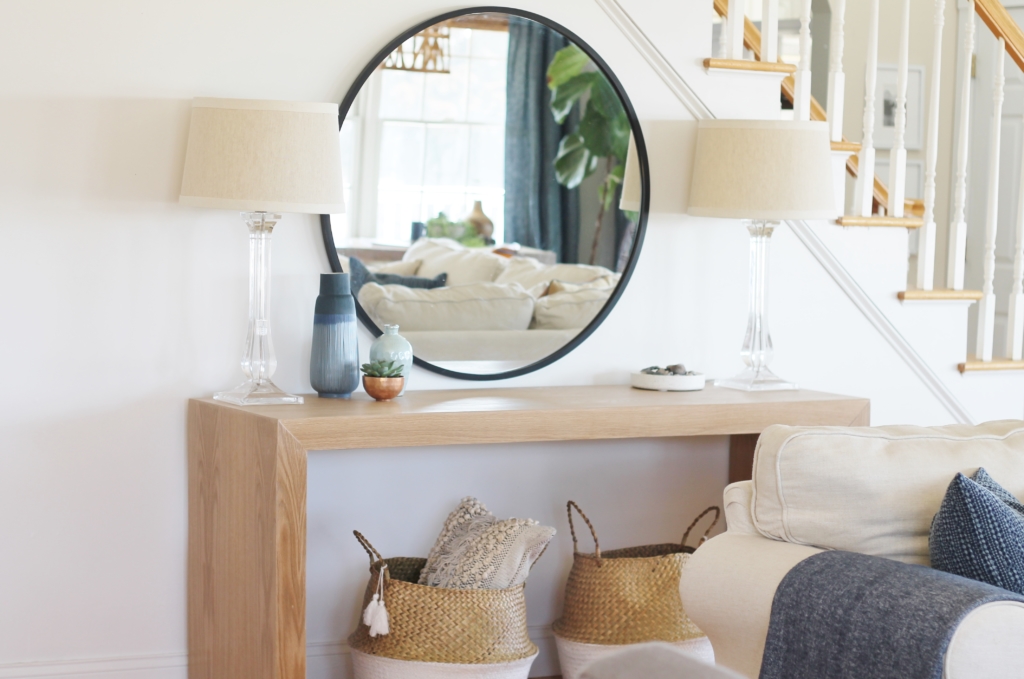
382, 369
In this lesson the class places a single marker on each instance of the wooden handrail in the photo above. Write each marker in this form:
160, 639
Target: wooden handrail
1002, 26
752, 41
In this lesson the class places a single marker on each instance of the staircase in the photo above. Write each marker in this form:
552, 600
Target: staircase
867, 251
876, 204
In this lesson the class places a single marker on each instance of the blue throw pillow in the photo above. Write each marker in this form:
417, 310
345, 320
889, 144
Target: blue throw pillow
979, 534
360, 276
982, 478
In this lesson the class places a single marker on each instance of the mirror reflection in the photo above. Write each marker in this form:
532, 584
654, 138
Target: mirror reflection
484, 166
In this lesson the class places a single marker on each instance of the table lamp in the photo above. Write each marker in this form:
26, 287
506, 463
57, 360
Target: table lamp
761, 171
262, 158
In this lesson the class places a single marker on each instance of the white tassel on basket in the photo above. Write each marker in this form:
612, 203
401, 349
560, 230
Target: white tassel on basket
376, 615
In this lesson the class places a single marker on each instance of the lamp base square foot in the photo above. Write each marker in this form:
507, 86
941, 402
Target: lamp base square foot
251, 393
756, 380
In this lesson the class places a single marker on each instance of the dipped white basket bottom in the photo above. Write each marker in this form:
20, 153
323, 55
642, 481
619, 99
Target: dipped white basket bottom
574, 656
376, 667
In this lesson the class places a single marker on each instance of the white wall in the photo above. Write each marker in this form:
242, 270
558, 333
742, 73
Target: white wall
119, 305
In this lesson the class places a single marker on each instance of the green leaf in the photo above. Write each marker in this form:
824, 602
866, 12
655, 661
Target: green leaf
567, 63
596, 131
568, 93
620, 131
604, 98
574, 162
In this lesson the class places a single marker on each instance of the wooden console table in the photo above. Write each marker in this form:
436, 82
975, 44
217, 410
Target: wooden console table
247, 484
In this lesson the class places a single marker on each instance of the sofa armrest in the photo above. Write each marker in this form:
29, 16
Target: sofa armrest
727, 589
987, 643
738, 499
729, 584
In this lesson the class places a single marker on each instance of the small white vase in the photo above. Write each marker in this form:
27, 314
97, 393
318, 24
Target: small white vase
393, 347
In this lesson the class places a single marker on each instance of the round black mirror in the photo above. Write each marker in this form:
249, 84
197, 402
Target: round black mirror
497, 189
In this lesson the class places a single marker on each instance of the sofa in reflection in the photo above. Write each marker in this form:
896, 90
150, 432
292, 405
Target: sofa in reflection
492, 308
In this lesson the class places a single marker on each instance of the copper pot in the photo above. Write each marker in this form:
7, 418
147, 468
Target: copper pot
383, 388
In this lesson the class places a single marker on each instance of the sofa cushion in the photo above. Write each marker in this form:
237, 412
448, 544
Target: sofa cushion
529, 272
565, 310
978, 534
463, 265
872, 490
481, 306
361, 275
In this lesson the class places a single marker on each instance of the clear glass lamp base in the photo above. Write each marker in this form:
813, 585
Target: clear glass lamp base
251, 393
756, 380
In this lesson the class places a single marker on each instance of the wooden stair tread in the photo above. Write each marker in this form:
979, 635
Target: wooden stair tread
748, 65
939, 295
903, 222
846, 145
994, 364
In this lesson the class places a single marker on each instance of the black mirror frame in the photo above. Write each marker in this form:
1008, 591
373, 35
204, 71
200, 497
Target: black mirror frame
641, 227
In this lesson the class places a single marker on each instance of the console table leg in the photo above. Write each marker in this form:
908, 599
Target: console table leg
247, 547
741, 456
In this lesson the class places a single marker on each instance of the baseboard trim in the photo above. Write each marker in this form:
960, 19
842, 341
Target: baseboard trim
144, 666
138, 665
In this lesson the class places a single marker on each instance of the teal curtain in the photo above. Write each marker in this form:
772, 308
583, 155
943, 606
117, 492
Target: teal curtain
539, 212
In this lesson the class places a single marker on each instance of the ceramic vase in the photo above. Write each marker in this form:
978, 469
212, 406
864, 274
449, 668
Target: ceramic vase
393, 347
334, 361
481, 222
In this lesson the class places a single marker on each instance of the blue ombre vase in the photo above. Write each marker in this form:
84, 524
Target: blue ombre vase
334, 361
393, 347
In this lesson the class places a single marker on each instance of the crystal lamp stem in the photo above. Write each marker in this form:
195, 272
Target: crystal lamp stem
757, 349
258, 360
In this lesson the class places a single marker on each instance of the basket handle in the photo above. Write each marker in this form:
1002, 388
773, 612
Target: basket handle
373, 553
718, 513
572, 529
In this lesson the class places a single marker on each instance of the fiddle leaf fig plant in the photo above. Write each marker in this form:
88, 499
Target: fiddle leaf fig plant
602, 134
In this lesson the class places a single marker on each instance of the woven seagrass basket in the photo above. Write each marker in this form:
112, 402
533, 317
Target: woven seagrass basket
477, 632
624, 596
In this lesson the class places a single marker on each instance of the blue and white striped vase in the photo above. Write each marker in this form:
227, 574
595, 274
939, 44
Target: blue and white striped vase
334, 361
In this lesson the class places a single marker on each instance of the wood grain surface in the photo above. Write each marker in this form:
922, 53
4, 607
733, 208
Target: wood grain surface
247, 484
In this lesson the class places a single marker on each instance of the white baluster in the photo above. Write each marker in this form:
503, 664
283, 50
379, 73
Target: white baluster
987, 305
723, 40
836, 77
926, 235
770, 31
898, 153
1015, 319
735, 25
956, 261
865, 188
802, 77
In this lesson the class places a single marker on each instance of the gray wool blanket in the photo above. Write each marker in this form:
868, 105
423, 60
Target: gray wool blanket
841, 615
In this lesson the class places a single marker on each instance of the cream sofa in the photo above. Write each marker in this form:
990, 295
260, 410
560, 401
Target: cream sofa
493, 308
867, 490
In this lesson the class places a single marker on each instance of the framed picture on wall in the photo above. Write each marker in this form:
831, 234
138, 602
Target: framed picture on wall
885, 107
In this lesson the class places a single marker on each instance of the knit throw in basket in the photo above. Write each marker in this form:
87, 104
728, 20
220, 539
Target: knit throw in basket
627, 596
431, 624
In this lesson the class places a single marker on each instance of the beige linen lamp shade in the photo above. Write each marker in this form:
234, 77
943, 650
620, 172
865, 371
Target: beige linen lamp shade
632, 185
769, 170
263, 156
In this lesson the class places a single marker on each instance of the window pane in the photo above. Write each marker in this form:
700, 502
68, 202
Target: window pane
401, 95
487, 157
445, 98
396, 211
487, 91
490, 44
401, 154
460, 42
446, 155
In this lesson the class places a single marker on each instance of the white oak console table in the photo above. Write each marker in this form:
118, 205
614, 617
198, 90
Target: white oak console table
247, 484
